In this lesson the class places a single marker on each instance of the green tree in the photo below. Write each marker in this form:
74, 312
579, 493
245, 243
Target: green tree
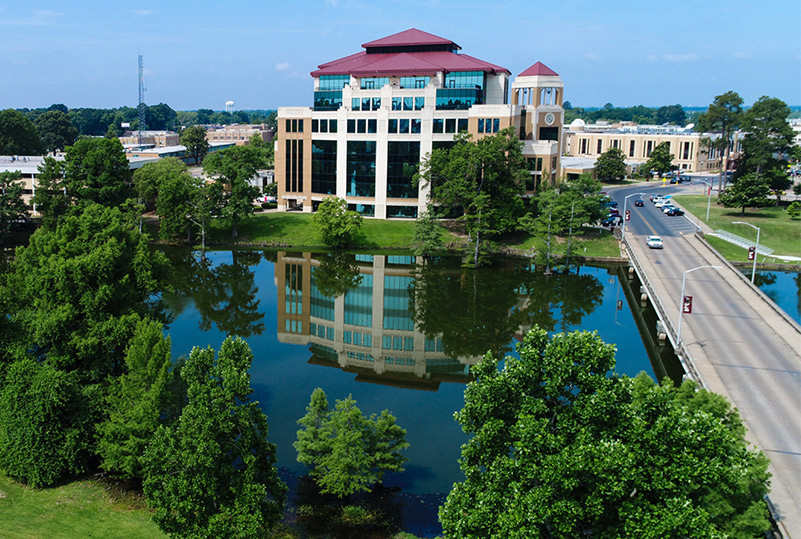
168, 182
611, 165
135, 402
345, 451
485, 179
160, 117
660, 160
794, 210
235, 167
212, 474
197, 145
427, 234
336, 274
50, 197
56, 130
46, 423
670, 114
767, 143
561, 448
81, 289
750, 190
265, 148
722, 117
18, 135
12, 207
337, 225
205, 204
97, 171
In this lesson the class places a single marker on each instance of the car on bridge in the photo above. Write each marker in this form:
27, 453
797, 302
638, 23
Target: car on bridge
654, 242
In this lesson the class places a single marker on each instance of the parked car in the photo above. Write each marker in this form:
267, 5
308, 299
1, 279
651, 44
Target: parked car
662, 202
612, 220
675, 211
639, 203
667, 207
654, 242
656, 198
614, 211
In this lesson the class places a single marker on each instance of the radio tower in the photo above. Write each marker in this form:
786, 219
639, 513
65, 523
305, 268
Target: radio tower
142, 107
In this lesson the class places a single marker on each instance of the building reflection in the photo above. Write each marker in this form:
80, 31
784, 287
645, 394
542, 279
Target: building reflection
368, 328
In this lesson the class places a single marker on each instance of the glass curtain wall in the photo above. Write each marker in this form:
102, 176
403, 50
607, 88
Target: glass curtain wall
361, 168
402, 161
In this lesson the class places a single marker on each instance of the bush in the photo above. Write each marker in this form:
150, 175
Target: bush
794, 210
335, 223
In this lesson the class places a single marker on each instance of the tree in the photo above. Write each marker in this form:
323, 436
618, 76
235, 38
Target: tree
337, 225
160, 117
235, 167
205, 204
794, 210
611, 165
97, 171
12, 207
561, 448
18, 135
671, 114
168, 182
50, 198
336, 274
56, 130
485, 179
212, 473
767, 143
345, 451
46, 423
197, 145
750, 190
660, 160
427, 234
264, 148
82, 288
723, 117
135, 402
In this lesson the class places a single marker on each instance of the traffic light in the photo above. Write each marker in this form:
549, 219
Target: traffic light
751, 253
687, 305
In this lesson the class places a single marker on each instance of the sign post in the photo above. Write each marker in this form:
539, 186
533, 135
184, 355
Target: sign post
687, 305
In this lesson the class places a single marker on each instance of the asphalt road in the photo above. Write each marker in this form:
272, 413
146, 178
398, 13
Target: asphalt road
743, 347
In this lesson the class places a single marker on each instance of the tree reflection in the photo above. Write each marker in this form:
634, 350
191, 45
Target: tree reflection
224, 294
476, 310
336, 274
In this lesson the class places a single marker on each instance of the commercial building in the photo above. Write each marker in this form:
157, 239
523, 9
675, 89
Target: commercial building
377, 113
152, 139
238, 133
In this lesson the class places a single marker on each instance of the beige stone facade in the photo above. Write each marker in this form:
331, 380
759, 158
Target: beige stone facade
155, 139
239, 133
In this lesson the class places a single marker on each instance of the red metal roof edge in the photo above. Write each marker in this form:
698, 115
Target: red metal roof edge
410, 37
538, 69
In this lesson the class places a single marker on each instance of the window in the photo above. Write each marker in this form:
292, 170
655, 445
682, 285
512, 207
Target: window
332, 126
415, 125
462, 125
356, 103
404, 125
327, 100
481, 125
324, 167
464, 79
550, 133
361, 168
409, 212
366, 103
373, 83
351, 126
450, 125
439, 125
408, 103
631, 148
294, 166
419, 103
414, 82
397, 103
315, 126
393, 125
458, 99
361, 126
402, 161
333, 82
600, 146
376, 103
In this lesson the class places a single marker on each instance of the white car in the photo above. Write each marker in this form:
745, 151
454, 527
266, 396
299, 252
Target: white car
654, 242
662, 202
667, 207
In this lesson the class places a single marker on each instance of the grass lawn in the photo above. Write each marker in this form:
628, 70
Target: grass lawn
297, 230
79, 509
590, 242
778, 231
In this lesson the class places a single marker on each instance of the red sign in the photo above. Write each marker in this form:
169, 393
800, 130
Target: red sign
628, 215
751, 253
687, 305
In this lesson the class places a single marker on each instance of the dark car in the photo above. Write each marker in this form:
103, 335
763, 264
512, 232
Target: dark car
639, 203
614, 211
675, 211
612, 220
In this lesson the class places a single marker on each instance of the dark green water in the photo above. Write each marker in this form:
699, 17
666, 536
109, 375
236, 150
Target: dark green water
391, 332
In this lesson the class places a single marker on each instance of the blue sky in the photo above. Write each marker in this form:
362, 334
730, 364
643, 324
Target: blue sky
259, 54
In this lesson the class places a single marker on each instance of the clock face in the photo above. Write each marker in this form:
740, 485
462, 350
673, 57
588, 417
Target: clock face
549, 118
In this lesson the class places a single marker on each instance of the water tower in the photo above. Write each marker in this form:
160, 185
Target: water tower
229, 106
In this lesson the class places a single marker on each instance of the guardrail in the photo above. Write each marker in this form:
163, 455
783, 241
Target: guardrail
742, 242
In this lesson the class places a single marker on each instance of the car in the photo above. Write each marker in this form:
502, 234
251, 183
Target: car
639, 203
614, 211
654, 242
667, 207
662, 202
675, 211
657, 198
612, 220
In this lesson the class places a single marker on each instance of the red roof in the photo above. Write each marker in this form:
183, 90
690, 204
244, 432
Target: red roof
410, 37
405, 63
539, 69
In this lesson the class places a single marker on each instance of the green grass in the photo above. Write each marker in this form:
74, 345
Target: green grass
297, 230
778, 231
78, 509
590, 242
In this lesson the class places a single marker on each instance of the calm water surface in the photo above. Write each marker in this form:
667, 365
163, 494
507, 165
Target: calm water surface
783, 287
393, 334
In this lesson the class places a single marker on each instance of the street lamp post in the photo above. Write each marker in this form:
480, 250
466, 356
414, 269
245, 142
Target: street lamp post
756, 248
681, 301
625, 202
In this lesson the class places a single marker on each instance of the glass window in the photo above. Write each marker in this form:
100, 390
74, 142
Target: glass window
366, 103
419, 103
462, 125
376, 103
397, 103
315, 127
346, 337
289, 126
408, 343
496, 125
416, 125
351, 126
481, 125
450, 125
361, 126
414, 82
329, 333
372, 126
465, 79
393, 125
333, 82
324, 166
332, 126
323, 126
356, 103
408, 103
386, 342
361, 168
357, 338
404, 125
439, 125
294, 126
327, 100
397, 343
368, 340
300, 126
402, 161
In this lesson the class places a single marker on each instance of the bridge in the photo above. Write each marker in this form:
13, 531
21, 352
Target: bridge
736, 341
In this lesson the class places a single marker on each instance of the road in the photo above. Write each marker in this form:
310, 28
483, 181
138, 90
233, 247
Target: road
742, 346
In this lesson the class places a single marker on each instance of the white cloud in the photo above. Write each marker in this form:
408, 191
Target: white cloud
282, 66
676, 58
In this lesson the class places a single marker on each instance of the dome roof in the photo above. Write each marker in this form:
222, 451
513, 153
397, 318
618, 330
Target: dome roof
577, 124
